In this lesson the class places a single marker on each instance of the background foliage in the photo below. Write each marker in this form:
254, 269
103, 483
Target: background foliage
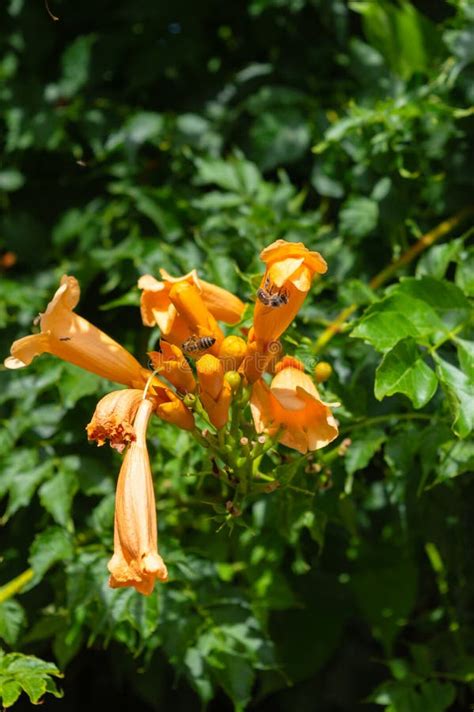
177, 134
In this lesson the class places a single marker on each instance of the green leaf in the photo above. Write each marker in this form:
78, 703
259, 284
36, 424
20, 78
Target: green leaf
49, 547
359, 217
236, 175
279, 136
236, 676
26, 673
466, 356
406, 696
75, 384
355, 291
445, 298
139, 128
460, 391
405, 37
437, 696
10, 691
12, 620
362, 449
325, 184
403, 370
75, 62
56, 495
394, 318
464, 277
435, 262
23, 485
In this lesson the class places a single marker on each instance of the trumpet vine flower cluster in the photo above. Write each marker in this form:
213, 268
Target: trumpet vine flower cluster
199, 379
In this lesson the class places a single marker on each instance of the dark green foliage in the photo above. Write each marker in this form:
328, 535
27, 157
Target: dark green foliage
189, 135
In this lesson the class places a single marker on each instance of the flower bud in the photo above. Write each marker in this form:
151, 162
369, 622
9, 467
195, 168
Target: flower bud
232, 352
234, 379
322, 371
189, 400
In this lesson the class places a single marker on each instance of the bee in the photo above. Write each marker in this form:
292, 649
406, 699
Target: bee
195, 344
269, 298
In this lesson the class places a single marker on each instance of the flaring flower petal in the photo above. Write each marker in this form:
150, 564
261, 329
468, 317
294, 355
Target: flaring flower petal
157, 307
294, 408
281, 249
72, 338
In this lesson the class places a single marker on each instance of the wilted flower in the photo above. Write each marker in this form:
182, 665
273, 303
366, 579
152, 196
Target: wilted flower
136, 561
113, 418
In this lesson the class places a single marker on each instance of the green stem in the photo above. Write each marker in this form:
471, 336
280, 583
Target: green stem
269, 478
14, 586
447, 337
384, 418
439, 571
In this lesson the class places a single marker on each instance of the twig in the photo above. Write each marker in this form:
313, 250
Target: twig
14, 586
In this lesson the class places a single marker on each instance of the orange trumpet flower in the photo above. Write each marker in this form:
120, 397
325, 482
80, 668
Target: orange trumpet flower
290, 268
136, 561
195, 314
73, 339
292, 404
157, 307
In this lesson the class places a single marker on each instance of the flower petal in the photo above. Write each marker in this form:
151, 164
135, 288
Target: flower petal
73, 339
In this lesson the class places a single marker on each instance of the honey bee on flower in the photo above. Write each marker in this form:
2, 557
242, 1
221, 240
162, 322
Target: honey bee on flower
198, 344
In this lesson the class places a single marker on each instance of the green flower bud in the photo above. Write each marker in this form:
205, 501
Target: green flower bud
234, 379
189, 400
